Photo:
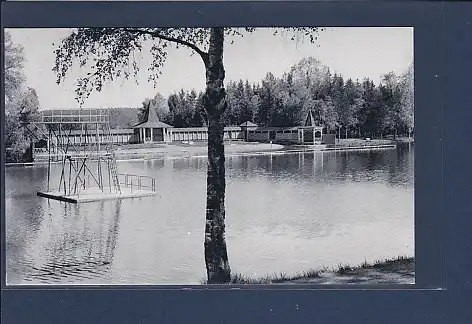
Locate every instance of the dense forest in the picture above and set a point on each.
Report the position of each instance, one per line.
(346, 107)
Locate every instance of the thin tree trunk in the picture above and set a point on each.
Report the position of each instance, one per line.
(346, 132)
(216, 256)
(31, 153)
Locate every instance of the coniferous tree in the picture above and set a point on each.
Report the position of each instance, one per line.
(267, 100)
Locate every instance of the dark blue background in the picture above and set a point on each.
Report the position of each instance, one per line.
(443, 177)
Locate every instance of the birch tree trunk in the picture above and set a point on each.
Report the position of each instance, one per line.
(216, 256)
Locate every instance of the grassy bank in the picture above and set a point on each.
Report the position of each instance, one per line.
(399, 270)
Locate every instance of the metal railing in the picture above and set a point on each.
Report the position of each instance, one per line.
(137, 182)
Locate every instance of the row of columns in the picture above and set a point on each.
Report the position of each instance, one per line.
(166, 133)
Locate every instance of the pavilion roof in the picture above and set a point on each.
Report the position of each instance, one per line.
(248, 124)
(152, 121)
(309, 121)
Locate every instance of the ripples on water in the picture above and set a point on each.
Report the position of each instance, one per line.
(285, 213)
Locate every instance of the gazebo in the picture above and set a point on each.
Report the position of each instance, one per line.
(310, 132)
(152, 130)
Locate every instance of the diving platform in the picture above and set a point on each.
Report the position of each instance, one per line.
(89, 171)
(130, 186)
(96, 194)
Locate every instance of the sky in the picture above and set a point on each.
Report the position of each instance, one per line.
(352, 52)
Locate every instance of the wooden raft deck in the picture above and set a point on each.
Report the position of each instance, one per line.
(96, 194)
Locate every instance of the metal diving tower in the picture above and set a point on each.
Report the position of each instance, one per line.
(88, 168)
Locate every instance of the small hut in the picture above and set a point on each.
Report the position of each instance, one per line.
(245, 127)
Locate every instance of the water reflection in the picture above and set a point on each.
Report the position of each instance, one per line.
(72, 244)
(292, 211)
(372, 166)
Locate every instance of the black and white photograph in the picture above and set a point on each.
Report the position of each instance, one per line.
(198, 156)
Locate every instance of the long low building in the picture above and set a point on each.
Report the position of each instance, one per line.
(201, 134)
(154, 131)
(78, 137)
(235, 133)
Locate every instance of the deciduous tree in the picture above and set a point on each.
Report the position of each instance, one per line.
(408, 99)
(106, 53)
(21, 105)
(14, 73)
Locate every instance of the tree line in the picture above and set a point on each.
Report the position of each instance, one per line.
(346, 107)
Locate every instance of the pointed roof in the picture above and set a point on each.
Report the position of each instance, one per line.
(309, 120)
(248, 124)
(152, 120)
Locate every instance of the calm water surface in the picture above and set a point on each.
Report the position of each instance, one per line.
(285, 213)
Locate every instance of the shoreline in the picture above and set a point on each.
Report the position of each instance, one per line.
(400, 270)
(199, 149)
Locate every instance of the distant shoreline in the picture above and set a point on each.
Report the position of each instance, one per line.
(199, 149)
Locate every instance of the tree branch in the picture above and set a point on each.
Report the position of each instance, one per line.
(194, 47)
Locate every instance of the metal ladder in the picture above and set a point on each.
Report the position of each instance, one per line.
(112, 165)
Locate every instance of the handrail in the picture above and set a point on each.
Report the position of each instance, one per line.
(134, 179)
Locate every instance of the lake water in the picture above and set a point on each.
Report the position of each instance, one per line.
(285, 213)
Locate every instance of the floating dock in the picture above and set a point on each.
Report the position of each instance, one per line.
(96, 194)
